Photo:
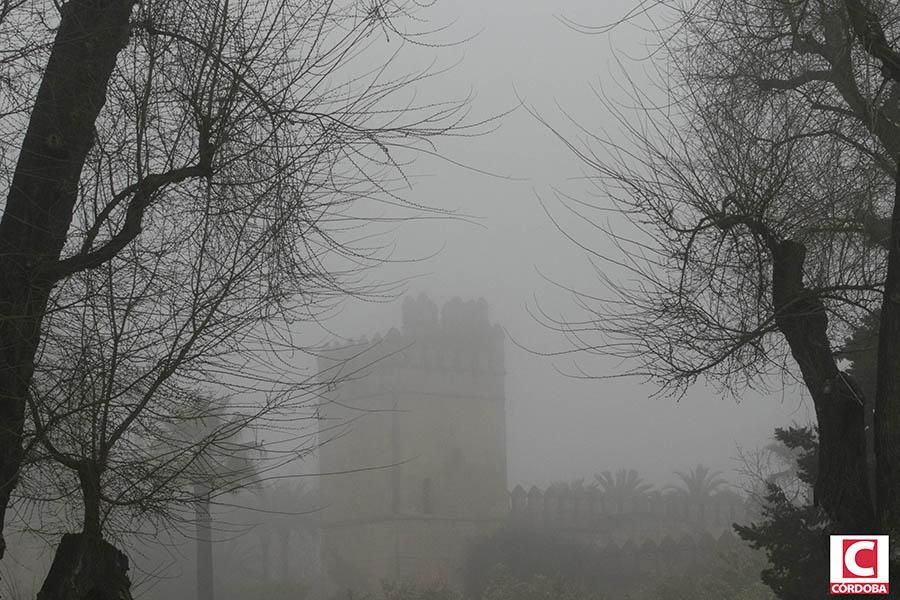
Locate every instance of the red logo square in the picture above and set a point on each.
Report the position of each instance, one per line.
(860, 558)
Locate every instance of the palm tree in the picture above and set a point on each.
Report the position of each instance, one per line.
(625, 486)
(699, 484)
(220, 461)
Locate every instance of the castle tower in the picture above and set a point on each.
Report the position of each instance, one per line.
(413, 446)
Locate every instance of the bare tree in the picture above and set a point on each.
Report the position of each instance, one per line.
(131, 118)
(115, 419)
(761, 189)
(122, 415)
(183, 195)
(775, 464)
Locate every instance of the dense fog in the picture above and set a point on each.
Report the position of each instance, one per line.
(499, 300)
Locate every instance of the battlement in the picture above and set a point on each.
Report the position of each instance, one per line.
(650, 535)
(458, 338)
(586, 511)
(458, 318)
(426, 400)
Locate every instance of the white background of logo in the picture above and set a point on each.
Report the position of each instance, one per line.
(837, 559)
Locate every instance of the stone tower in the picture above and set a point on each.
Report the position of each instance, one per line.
(413, 446)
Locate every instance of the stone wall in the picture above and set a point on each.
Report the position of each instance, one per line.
(413, 445)
(585, 514)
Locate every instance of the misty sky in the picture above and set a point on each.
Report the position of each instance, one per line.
(559, 428)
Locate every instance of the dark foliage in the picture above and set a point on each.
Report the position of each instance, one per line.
(794, 537)
(526, 553)
(518, 564)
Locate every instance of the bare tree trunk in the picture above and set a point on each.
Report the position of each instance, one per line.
(89, 478)
(42, 196)
(86, 568)
(867, 25)
(205, 581)
(887, 395)
(842, 486)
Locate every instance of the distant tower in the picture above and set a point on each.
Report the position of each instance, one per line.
(423, 412)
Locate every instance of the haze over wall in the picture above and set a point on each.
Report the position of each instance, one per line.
(558, 427)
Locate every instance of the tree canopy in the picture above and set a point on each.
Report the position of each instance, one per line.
(184, 182)
(761, 191)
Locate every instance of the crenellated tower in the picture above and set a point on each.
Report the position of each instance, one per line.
(413, 445)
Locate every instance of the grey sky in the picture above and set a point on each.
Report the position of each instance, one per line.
(558, 428)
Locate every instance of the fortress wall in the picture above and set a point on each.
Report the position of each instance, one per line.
(424, 409)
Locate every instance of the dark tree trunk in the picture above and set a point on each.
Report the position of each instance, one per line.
(42, 196)
(887, 395)
(842, 487)
(89, 478)
(867, 26)
(86, 568)
(205, 581)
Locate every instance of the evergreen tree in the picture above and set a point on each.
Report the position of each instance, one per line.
(794, 535)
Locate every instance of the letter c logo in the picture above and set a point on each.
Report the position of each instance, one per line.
(850, 558)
